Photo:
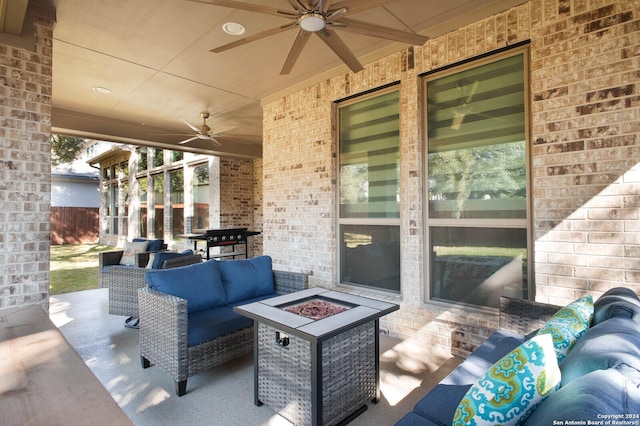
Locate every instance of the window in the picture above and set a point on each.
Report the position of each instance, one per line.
(142, 159)
(158, 205)
(201, 197)
(477, 215)
(176, 195)
(158, 157)
(369, 182)
(143, 183)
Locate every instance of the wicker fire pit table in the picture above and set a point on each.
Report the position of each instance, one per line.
(316, 354)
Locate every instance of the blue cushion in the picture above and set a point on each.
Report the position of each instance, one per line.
(618, 301)
(592, 396)
(495, 347)
(415, 419)
(160, 257)
(211, 323)
(605, 345)
(439, 405)
(247, 278)
(153, 245)
(199, 284)
(253, 299)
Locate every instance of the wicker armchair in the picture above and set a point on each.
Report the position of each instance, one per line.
(112, 258)
(163, 333)
(124, 281)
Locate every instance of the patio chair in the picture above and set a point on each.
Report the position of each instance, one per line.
(124, 281)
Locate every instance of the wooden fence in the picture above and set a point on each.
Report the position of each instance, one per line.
(75, 225)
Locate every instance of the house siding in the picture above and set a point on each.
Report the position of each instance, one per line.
(584, 152)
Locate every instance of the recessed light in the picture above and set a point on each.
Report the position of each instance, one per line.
(102, 90)
(233, 28)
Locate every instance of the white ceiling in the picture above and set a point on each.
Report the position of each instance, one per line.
(154, 57)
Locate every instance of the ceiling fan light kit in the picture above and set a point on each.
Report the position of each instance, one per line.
(312, 22)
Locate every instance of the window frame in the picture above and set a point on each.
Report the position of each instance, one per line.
(504, 223)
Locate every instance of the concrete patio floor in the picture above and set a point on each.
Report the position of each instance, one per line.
(222, 395)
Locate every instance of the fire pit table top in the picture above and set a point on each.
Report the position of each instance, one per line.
(316, 313)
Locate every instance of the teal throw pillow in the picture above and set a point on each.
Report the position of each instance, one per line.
(513, 387)
(245, 279)
(199, 284)
(569, 324)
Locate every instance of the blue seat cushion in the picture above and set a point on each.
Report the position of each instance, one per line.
(414, 419)
(160, 257)
(199, 284)
(253, 299)
(211, 323)
(245, 279)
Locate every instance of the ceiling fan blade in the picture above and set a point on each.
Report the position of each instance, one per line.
(299, 5)
(336, 44)
(355, 6)
(188, 140)
(194, 128)
(294, 53)
(215, 141)
(380, 31)
(254, 37)
(248, 7)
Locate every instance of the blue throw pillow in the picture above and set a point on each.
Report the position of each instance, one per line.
(600, 396)
(617, 302)
(152, 245)
(247, 278)
(199, 284)
(615, 341)
(160, 257)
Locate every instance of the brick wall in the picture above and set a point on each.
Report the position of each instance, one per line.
(585, 149)
(25, 170)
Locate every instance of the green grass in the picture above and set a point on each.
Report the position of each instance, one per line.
(74, 267)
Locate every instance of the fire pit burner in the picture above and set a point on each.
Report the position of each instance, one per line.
(316, 309)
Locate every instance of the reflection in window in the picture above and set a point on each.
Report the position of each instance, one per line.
(176, 191)
(369, 182)
(201, 197)
(144, 191)
(370, 256)
(158, 206)
(478, 265)
(477, 182)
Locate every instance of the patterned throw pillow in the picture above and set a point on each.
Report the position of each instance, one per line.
(512, 388)
(569, 324)
(129, 254)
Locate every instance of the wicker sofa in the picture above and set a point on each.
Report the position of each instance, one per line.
(187, 323)
(599, 375)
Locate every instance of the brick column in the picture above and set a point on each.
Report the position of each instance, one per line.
(25, 170)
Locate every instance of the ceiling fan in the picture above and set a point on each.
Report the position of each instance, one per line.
(320, 17)
(203, 132)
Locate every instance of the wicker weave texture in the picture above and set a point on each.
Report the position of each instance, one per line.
(348, 374)
(164, 332)
(524, 316)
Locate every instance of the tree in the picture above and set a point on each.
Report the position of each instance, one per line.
(65, 149)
